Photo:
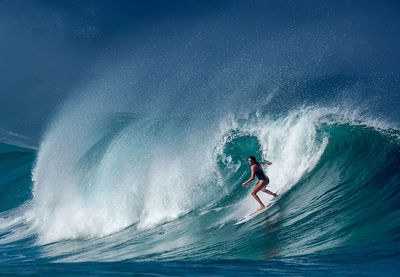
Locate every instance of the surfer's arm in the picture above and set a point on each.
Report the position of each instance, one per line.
(267, 163)
(251, 178)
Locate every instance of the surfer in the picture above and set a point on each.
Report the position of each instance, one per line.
(263, 180)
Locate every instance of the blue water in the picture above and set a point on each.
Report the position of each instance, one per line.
(139, 169)
(339, 209)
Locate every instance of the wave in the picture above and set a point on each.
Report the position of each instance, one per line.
(150, 171)
(129, 186)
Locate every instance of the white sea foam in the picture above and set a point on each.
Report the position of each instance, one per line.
(156, 169)
(291, 143)
(146, 174)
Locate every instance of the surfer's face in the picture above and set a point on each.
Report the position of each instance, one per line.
(250, 162)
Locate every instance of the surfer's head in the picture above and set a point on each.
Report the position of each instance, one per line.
(252, 160)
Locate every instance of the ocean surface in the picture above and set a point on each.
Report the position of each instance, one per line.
(123, 205)
(138, 170)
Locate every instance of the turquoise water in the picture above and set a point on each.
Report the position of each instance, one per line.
(68, 208)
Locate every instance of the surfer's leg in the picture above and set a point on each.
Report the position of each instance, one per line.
(264, 189)
(256, 189)
(269, 192)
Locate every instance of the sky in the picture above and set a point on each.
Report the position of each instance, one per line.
(49, 48)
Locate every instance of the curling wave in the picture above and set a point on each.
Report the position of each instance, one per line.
(134, 187)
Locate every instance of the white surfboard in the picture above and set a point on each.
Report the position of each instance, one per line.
(255, 213)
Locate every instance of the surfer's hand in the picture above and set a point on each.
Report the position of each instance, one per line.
(269, 163)
(243, 184)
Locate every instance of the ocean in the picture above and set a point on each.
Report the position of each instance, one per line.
(139, 169)
(170, 209)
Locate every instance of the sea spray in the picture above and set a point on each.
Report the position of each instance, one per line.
(150, 170)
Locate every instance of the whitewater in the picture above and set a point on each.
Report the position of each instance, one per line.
(146, 189)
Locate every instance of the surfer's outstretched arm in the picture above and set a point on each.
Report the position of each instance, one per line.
(251, 178)
(267, 163)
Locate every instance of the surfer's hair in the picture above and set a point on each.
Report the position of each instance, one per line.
(254, 160)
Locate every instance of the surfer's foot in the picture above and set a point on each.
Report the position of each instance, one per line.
(260, 208)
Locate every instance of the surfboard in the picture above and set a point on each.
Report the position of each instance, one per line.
(256, 213)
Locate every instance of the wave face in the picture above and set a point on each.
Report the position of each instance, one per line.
(146, 172)
(159, 188)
